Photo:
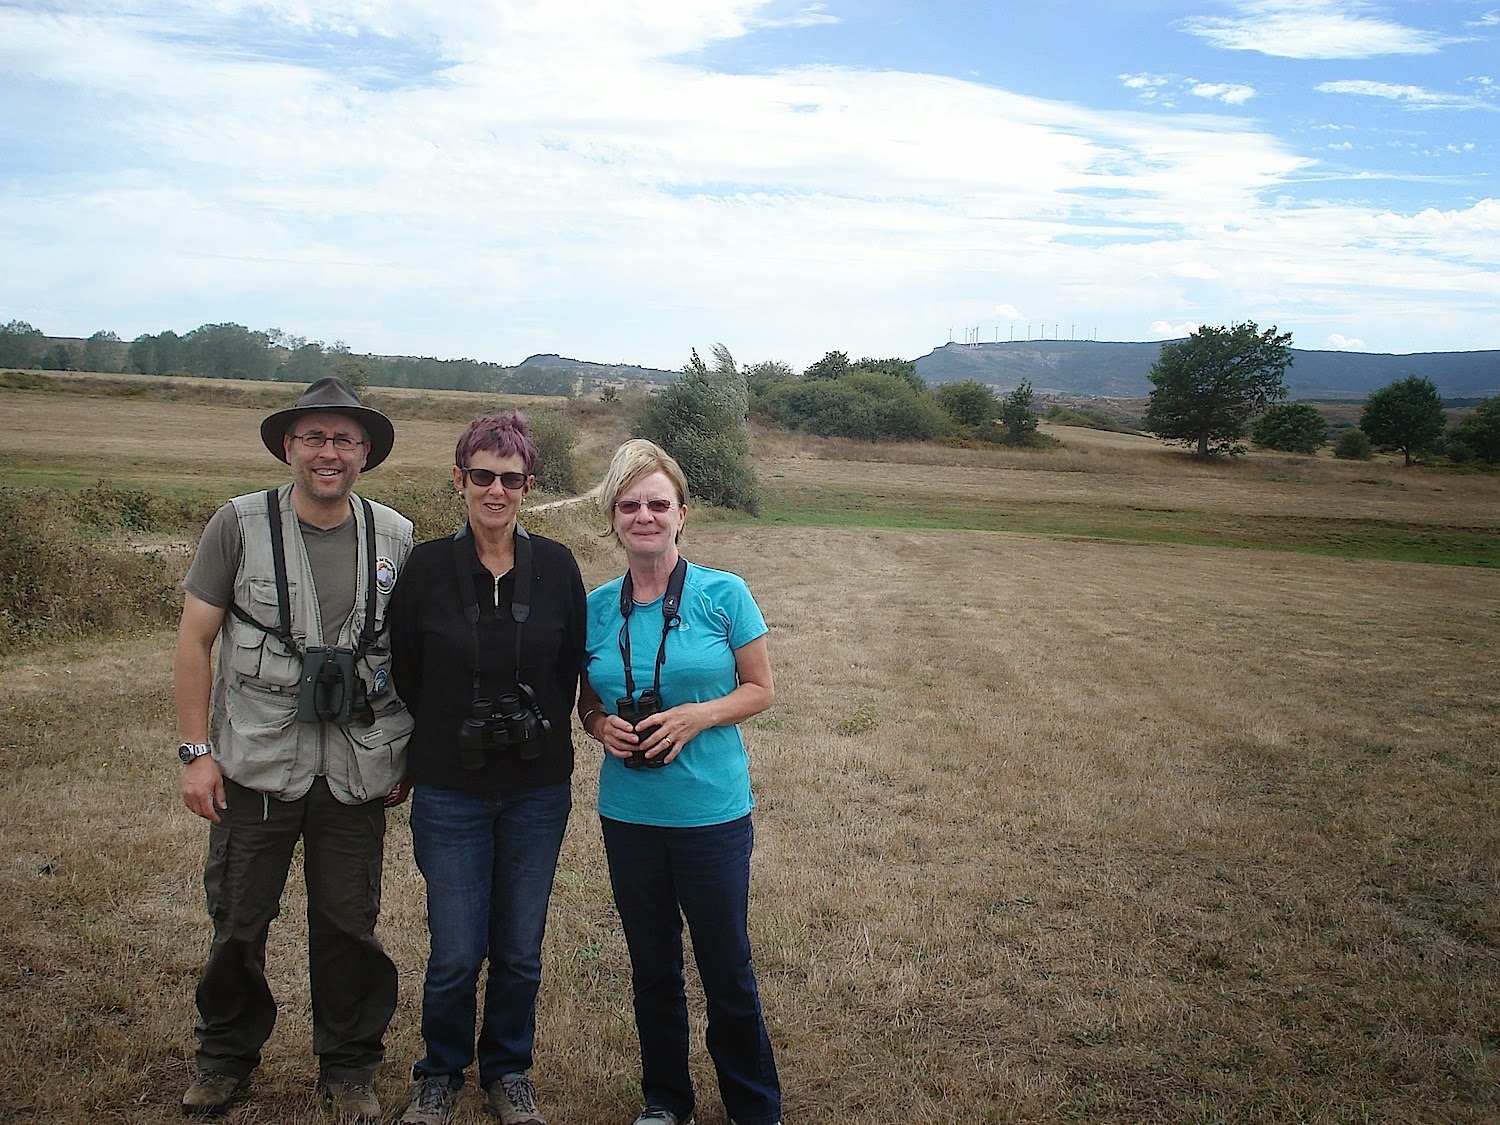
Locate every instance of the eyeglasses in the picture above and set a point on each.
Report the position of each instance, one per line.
(631, 507)
(484, 478)
(316, 439)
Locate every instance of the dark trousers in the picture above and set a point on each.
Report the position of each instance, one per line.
(660, 876)
(353, 980)
(489, 863)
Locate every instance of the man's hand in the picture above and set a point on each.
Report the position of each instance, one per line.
(398, 795)
(202, 788)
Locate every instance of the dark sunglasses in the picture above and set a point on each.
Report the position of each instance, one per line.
(484, 478)
(631, 507)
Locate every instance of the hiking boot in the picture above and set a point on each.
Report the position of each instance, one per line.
(513, 1100)
(655, 1115)
(431, 1102)
(211, 1094)
(351, 1101)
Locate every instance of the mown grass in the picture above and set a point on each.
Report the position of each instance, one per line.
(1057, 822)
(1348, 538)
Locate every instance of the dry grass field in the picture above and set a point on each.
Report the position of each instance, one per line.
(1054, 825)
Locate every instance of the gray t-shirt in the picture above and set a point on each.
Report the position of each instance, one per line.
(333, 555)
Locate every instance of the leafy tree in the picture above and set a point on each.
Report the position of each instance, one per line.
(102, 352)
(1353, 445)
(834, 365)
(227, 351)
(702, 421)
(1294, 427)
(1477, 437)
(1405, 415)
(21, 345)
(1018, 414)
(1205, 389)
(969, 404)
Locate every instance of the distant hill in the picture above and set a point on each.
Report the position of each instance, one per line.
(600, 372)
(1118, 370)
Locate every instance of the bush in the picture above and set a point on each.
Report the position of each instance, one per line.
(1292, 427)
(701, 420)
(1353, 445)
(55, 582)
(554, 436)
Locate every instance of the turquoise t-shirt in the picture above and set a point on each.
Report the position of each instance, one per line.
(709, 780)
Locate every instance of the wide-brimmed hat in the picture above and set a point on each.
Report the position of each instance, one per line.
(331, 394)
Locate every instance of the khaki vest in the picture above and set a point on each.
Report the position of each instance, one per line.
(258, 741)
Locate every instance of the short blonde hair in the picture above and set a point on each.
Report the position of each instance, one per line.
(636, 459)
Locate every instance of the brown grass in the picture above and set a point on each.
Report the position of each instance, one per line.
(1048, 830)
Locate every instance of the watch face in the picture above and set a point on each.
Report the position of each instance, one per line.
(190, 753)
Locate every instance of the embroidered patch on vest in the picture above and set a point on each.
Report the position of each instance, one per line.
(379, 682)
(385, 575)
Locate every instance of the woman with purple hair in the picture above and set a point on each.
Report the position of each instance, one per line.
(487, 638)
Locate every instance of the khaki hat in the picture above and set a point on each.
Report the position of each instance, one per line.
(331, 394)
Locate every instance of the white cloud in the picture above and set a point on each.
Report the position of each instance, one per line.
(1345, 343)
(1417, 97)
(1230, 93)
(1314, 29)
(1165, 330)
(483, 192)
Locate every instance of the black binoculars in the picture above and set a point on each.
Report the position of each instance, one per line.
(330, 690)
(513, 720)
(633, 712)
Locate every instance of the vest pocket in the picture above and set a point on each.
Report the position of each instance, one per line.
(376, 760)
(258, 655)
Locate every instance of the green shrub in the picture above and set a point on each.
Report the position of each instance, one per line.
(1292, 427)
(554, 435)
(58, 582)
(1353, 445)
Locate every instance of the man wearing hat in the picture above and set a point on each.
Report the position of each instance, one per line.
(295, 734)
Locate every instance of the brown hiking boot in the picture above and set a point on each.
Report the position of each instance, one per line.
(211, 1094)
(351, 1101)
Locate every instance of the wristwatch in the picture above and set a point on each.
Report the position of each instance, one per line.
(190, 752)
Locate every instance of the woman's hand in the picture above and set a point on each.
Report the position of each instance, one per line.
(663, 735)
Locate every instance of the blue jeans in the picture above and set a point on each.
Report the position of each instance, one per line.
(489, 864)
(659, 876)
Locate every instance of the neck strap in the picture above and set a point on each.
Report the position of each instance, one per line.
(520, 596)
(283, 628)
(671, 606)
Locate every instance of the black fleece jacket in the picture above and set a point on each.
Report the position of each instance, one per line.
(432, 659)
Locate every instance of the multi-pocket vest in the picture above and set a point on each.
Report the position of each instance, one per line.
(258, 739)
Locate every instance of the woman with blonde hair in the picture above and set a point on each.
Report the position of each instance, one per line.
(677, 659)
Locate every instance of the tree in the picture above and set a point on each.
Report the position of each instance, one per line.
(702, 421)
(102, 352)
(1205, 389)
(1405, 415)
(63, 357)
(833, 365)
(1477, 437)
(1293, 427)
(969, 404)
(1018, 414)
(21, 345)
(1353, 445)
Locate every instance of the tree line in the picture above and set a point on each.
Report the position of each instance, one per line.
(1223, 384)
(232, 351)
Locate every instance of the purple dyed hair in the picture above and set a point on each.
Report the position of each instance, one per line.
(500, 434)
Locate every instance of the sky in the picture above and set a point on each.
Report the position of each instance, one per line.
(625, 180)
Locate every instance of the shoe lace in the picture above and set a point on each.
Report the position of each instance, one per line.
(520, 1091)
(433, 1094)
